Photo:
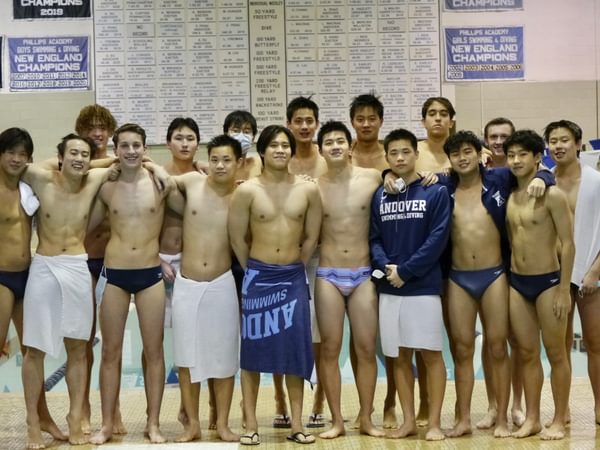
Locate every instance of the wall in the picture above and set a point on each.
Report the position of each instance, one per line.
(48, 115)
(562, 48)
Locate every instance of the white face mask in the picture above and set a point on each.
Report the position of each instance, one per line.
(244, 139)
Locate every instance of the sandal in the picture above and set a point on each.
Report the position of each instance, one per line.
(282, 421)
(250, 439)
(306, 438)
(316, 421)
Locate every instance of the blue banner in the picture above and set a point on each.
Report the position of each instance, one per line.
(482, 5)
(490, 53)
(49, 63)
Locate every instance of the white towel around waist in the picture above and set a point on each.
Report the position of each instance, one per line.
(206, 327)
(58, 302)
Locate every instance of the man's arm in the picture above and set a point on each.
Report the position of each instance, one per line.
(176, 198)
(97, 213)
(558, 206)
(379, 257)
(312, 223)
(427, 179)
(34, 174)
(238, 222)
(536, 188)
(161, 177)
(103, 163)
(432, 249)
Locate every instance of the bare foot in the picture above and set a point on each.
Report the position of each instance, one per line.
(118, 427)
(76, 434)
(406, 429)
(501, 431)
(101, 436)
(390, 421)
(422, 423)
(549, 423)
(85, 425)
(212, 419)
(556, 431)
(423, 415)
(191, 432)
(226, 435)
(51, 428)
(182, 417)
(367, 427)
(460, 429)
(518, 417)
(333, 432)
(488, 421)
(155, 435)
(86, 418)
(34, 438)
(529, 428)
(434, 434)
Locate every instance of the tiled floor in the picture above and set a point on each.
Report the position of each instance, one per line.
(582, 434)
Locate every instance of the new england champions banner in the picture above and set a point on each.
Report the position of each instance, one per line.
(51, 9)
(49, 63)
(484, 53)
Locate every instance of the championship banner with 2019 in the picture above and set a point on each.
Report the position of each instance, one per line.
(51, 9)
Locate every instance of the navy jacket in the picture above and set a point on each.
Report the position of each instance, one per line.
(410, 229)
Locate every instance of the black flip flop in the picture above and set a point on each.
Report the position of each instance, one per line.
(296, 438)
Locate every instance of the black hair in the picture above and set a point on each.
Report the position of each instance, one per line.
(400, 134)
(529, 140)
(180, 122)
(237, 119)
(62, 145)
(224, 140)
(456, 141)
(573, 128)
(331, 126)
(366, 100)
(13, 137)
(301, 103)
(268, 134)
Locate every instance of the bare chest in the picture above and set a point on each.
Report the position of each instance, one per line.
(289, 203)
(432, 162)
(524, 213)
(134, 200)
(345, 201)
(469, 210)
(10, 207)
(206, 210)
(370, 160)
